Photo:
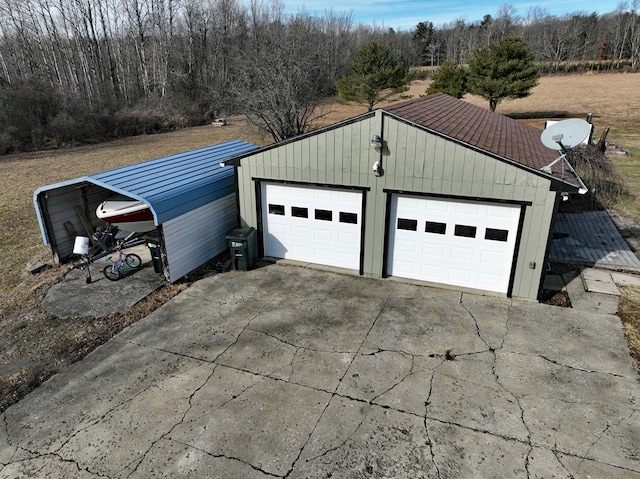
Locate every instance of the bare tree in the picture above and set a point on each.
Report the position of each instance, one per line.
(279, 80)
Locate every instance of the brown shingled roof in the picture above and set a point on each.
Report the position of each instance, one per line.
(477, 127)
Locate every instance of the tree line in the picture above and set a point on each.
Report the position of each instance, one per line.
(88, 70)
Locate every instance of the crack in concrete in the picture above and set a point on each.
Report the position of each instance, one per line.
(36, 455)
(494, 371)
(56, 452)
(5, 426)
(609, 426)
(224, 456)
(164, 435)
(341, 445)
(576, 368)
(162, 350)
(297, 346)
(583, 458)
(556, 454)
(245, 328)
(427, 403)
(334, 394)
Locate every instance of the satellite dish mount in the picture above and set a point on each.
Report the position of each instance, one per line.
(563, 136)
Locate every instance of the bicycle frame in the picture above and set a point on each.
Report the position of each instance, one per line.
(115, 270)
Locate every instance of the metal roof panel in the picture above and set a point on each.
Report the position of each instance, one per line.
(171, 183)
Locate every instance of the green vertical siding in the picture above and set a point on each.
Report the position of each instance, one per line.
(413, 161)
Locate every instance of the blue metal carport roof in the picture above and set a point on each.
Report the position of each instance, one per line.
(171, 185)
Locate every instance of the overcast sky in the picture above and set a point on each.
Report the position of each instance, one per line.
(405, 15)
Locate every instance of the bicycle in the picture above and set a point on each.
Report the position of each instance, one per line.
(115, 270)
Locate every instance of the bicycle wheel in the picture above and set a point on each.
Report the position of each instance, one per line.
(112, 273)
(133, 260)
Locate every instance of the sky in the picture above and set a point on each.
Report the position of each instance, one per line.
(405, 15)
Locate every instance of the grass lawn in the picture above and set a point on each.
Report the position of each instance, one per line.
(34, 345)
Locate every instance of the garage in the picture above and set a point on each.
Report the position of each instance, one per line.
(431, 189)
(313, 224)
(463, 243)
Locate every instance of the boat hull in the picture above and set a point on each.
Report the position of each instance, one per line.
(127, 214)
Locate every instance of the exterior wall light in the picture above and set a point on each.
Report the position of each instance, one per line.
(376, 141)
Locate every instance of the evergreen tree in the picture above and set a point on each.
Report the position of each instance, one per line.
(375, 76)
(503, 69)
(450, 78)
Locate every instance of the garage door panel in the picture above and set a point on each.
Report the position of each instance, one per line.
(457, 242)
(430, 273)
(498, 258)
(347, 238)
(466, 209)
(406, 246)
(323, 235)
(348, 258)
(490, 279)
(406, 267)
(299, 232)
(299, 250)
(276, 249)
(321, 255)
(462, 276)
(321, 225)
(462, 253)
(277, 229)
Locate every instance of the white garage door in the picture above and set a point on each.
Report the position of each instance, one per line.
(315, 225)
(461, 243)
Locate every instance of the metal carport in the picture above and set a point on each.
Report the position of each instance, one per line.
(193, 200)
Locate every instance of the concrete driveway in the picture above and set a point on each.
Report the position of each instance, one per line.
(291, 372)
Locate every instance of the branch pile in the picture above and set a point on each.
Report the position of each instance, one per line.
(598, 172)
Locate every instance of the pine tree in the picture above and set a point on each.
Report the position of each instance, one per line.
(375, 76)
(450, 78)
(503, 69)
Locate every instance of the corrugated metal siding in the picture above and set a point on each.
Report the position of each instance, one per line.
(60, 205)
(415, 161)
(195, 237)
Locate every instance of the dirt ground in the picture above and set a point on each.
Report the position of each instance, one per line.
(34, 345)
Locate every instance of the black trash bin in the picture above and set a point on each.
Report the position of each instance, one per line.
(153, 243)
(242, 248)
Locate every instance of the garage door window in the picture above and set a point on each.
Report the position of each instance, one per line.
(406, 224)
(324, 215)
(276, 210)
(494, 234)
(465, 231)
(350, 218)
(435, 228)
(298, 212)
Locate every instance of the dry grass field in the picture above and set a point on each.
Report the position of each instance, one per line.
(33, 345)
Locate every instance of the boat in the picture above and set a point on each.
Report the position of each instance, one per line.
(126, 213)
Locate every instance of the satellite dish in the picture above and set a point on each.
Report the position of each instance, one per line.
(566, 134)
